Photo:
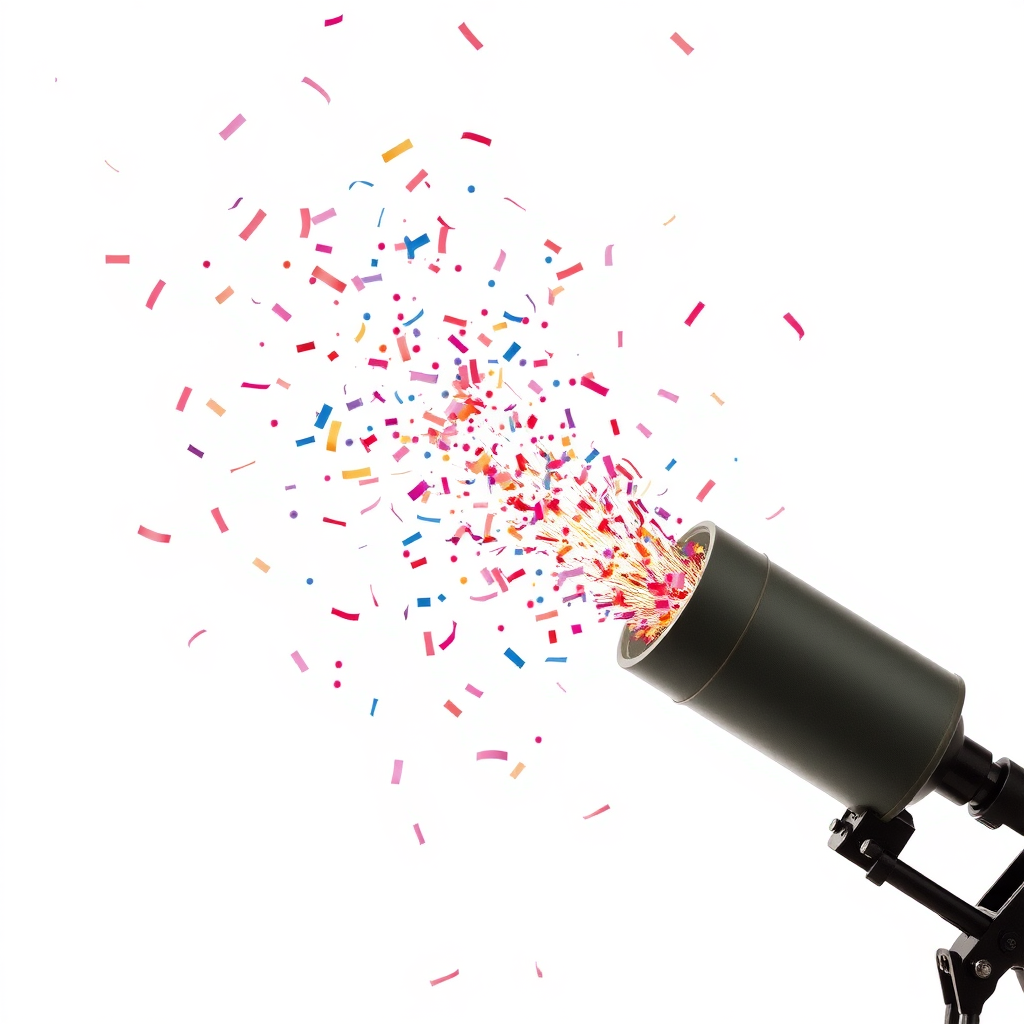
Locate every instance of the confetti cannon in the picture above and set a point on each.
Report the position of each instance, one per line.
(857, 714)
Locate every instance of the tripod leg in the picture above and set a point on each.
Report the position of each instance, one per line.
(948, 993)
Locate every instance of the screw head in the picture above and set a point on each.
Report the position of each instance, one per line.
(983, 969)
(870, 849)
(1008, 942)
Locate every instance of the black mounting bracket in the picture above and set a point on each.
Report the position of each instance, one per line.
(991, 940)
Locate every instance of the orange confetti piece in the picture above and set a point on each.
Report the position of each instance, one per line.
(398, 150)
(261, 565)
(515, 771)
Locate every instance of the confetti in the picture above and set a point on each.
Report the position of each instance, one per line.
(117, 259)
(194, 635)
(304, 227)
(155, 294)
(297, 658)
(447, 977)
(514, 658)
(219, 520)
(452, 708)
(412, 184)
(319, 89)
(218, 409)
(704, 490)
(473, 690)
(396, 773)
(237, 468)
(152, 536)
(589, 382)
(225, 295)
(328, 279)
(774, 514)
(515, 771)
(195, 451)
(717, 399)
(669, 221)
(252, 226)
(232, 127)
(370, 183)
(282, 312)
(184, 398)
(334, 21)
(792, 323)
(236, 202)
(470, 37)
(681, 43)
(351, 616)
(598, 811)
(574, 269)
(445, 644)
(514, 203)
(608, 255)
(261, 565)
(336, 522)
(492, 755)
(419, 834)
(473, 137)
(693, 315)
(662, 393)
(326, 215)
(111, 166)
(539, 973)
(398, 150)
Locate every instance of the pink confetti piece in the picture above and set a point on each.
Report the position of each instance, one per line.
(452, 708)
(184, 398)
(161, 538)
(283, 383)
(514, 203)
(358, 282)
(418, 489)
(419, 834)
(321, 217)
(324, 248)
(492, 755)
(310, 82)
(704, 490)
(281, 312)
(117, 259)
(110, 165)
(608, 255)
(428, 643)
(600, 810)
(445, 644)
(486, 597)
(416, 180)
(251, 226)
(473, 137)
(473, 690)
(561, 687)
(232, 127)
(396, 773)
(569, 271)
(643, 430)
(774, 514)
(442, 236)
(370, 508)
(219, 520)
(447, 977)
(693, 315)
(792, 323)
(470, 37)
(662, 393)
(194, 635)
(589, 382)
(297, 658)
(501, 260)
(334, 21)
(260, 387)
(681, 43)
(538, 970)
(155, 294)
(304, 230)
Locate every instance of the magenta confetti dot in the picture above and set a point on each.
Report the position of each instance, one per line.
(261, 344)
(536, 739)
(337, 683)
(273, 423)
(206, 263)
(458, 267)
(337, 664)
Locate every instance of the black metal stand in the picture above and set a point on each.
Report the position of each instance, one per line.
(991, 940)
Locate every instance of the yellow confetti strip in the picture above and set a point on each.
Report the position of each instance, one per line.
(354, 474)
(398, 150)
(261, 565)
(218, 409)
(499, 327)
(362, 331)
(515, 771)
(332, 435)
(717, 399)
(226, 294)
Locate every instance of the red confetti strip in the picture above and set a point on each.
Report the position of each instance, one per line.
(219, 519)
(447, 977)
(415, 181)
(194, 635)
(304, 213)
(473, 137)
(161, 538)
(693, 316)
(329, 279)
(704, 490)
(442, 236)
(600, 810)
(792, 323)
(306, 346)
(155, 294)
(556, 249)
(469, 36)
(184, 398)
(333, 21)
(681, 43)
(261, 387)
(774, 514)
(117, 259)
(251, 226)
(428, 643)
(575, 269)
(351, 616)
(589, 382)
(310, 82)
(336, 522)
(452, 708)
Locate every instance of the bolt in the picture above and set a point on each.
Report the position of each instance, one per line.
(835, 825)
(869, 848)
(1007, 942)
(982, 968)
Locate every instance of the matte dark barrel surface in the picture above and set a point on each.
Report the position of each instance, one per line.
(796, 675)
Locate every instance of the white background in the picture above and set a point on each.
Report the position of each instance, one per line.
(206, 834)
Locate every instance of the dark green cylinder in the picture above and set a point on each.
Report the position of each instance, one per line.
(796, 675)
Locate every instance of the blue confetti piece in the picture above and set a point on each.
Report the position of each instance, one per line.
(441, 597)
(514, 658)
(399, 397)
(593, 455)
(512, 350)
(414, 319)
(518, 551)
(427, 519)
(422, 602)
(412, 244)
(322, 416)
(671, 464)
(509, 316)
(373, 707)
(409, 540)
(381, 217)
(556, 659)
(495, 361)
(370, 183)
(304, 440)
